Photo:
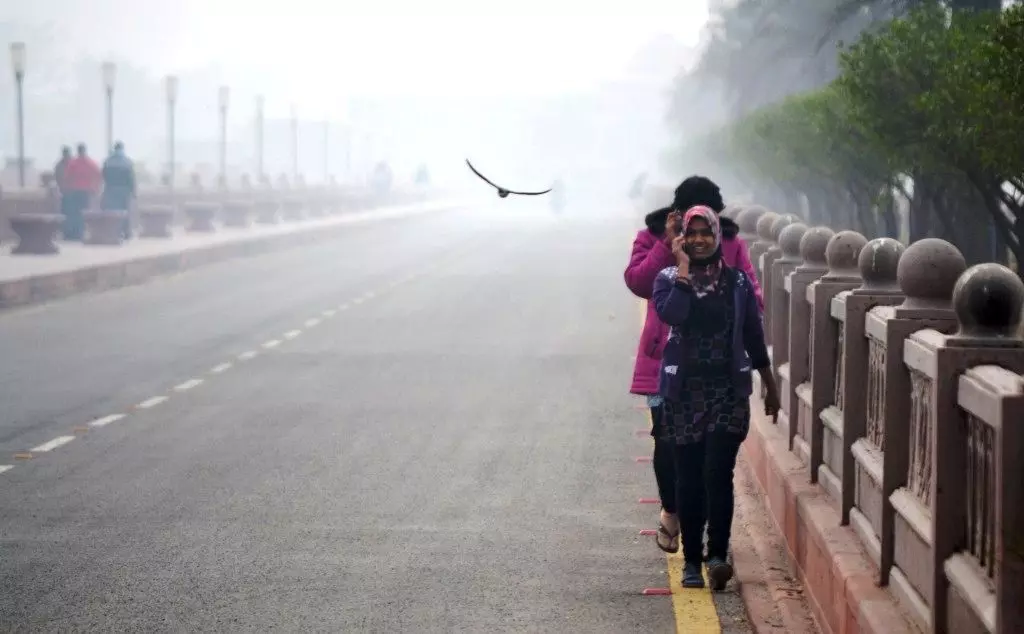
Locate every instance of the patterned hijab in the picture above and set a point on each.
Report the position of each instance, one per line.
(705, 272)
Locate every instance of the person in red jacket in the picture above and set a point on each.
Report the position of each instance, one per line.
(652, 253)
(82, 181)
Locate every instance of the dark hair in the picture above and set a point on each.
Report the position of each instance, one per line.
(698, 190)
(655, 220)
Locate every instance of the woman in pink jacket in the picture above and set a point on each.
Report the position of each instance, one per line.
(652, 253)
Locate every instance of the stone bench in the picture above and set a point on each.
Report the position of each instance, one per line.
(155, 221)
(237, 213)
(293, 208)
(104, 227)
(199, 217)
(315, 207)
(267, 212)
(36, 233)
(329, 203)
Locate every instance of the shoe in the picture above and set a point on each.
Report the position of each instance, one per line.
(719, 572)
(692, 576)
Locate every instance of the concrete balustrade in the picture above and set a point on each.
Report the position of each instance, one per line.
(895, 468)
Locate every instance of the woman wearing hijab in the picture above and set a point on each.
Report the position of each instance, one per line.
(715, 339)
(652, 252)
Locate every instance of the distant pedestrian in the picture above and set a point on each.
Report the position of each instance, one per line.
(61, 166)
(82, 182)
(119, 186)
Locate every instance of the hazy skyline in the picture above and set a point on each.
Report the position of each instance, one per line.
(318, 53)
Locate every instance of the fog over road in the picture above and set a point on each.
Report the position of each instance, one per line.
(433, 435)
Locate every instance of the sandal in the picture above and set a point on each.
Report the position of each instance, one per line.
(667, 541)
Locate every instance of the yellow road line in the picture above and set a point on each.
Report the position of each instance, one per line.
(694, 610)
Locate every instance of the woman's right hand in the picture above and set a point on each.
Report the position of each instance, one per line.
(671, 224)
(682, 260)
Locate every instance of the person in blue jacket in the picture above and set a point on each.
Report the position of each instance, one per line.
(119, 186)
(715, 339)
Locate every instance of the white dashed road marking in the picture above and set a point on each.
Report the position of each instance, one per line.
(188, 385)
(217, 369)
(53, 444)
(151, 402)
(106, 420)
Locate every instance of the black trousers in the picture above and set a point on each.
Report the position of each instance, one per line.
(664, 462)
(705, 495)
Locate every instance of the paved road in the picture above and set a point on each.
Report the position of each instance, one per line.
(439, 441)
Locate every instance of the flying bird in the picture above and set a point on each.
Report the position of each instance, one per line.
(502, 192)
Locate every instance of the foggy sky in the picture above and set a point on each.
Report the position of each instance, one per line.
(495, 79)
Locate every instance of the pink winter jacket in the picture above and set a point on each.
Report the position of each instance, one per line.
(650, 255)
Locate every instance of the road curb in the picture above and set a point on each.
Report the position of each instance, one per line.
(835, 572)
(772, 597)
(43, 288)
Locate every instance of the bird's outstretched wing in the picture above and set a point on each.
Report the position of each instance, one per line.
(530, 193)
(502, 189)
(482, 177)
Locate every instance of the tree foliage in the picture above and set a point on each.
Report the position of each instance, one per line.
(930, 105)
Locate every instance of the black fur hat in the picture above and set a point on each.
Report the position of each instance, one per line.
(698, 190)
(695, 190)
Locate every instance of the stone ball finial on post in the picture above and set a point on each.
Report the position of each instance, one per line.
(764, 226)
(747, 220)
(789, 241)
(732, 211)
(781, 222)
(989, 300)
(841, 255)
(878, 262)
(813, 246)
(927, 273)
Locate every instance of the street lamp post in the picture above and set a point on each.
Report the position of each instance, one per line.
(327, 150)
(348, 152)
(295, 145)
(18, 64)
(172, 98)
(224, 95)
(109, 77)
(259, 138)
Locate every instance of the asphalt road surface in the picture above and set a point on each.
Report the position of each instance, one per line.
(421, 426)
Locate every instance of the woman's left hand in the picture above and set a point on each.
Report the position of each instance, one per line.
(772, 404)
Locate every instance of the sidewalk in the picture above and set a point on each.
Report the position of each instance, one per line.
(30, 279)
